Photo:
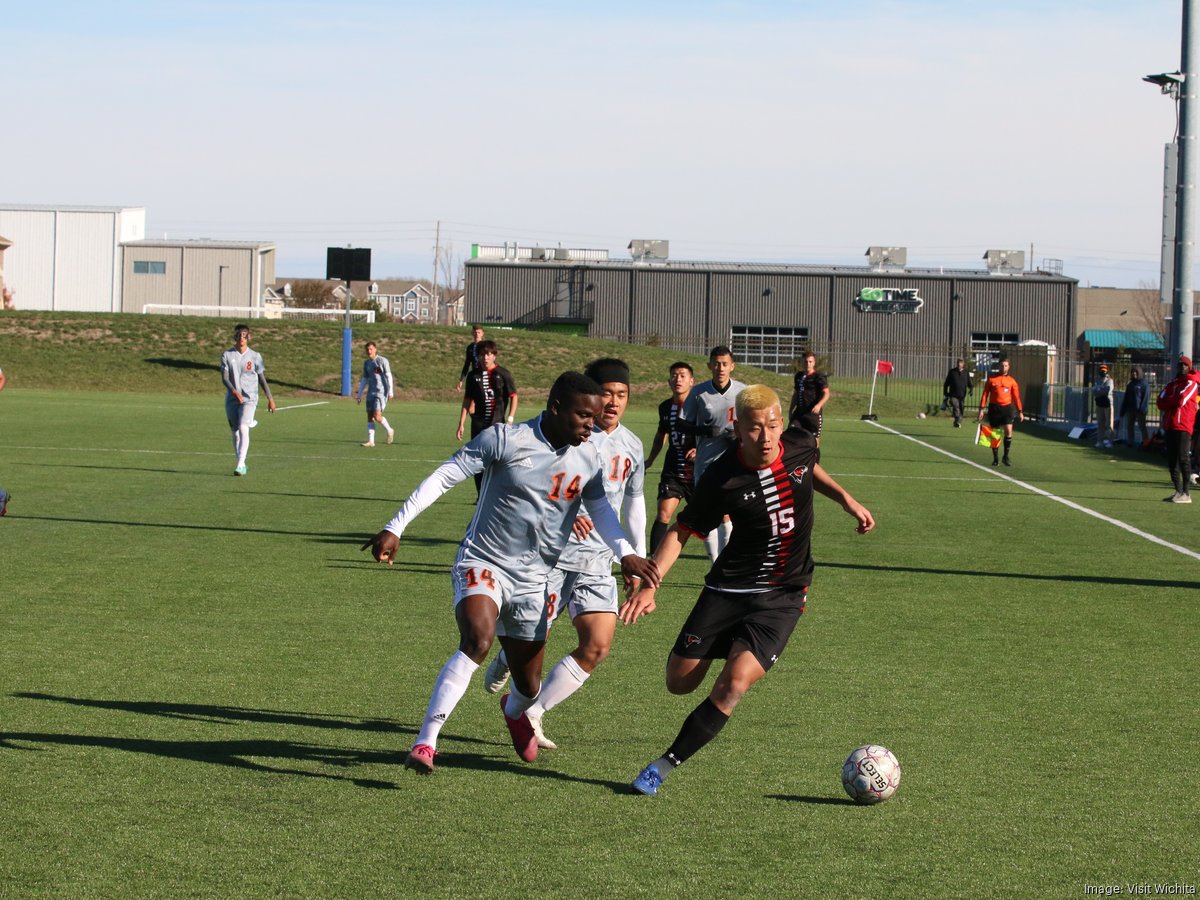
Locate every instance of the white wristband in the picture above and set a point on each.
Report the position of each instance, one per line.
(509, 420)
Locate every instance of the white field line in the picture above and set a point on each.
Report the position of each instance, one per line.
(300, 405)
(374, 457)
(1154, 539)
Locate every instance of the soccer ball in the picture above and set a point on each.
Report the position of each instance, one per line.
(871, 774)
(920, 415)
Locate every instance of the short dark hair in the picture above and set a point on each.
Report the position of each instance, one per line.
(369, 344)
(720, 350)
(608, 369)
(682, 365)
(241, 327)
(487, 347)
(571, 384)
(477, 328)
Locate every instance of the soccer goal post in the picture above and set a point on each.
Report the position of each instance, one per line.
(256, 312)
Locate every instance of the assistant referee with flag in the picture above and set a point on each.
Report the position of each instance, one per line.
(1002, 401)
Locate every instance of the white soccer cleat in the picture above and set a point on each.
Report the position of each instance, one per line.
(543, 742)
(391, 435)
(496, 675)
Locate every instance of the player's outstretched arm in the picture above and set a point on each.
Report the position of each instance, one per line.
(641, 603)
(642, 600)
(825, 484)
(383, 547)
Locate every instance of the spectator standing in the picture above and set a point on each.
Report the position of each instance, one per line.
(1177, 402)
(1102, 397)
(1134, 405)
(957, 386)
(810, 393)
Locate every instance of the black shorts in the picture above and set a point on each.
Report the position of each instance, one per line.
(763, 622)
(674, 486)
(809, 421)
(1001, 415)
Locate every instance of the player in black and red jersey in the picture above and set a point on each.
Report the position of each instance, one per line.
(754, 594)
(490, 391)
(675, 482)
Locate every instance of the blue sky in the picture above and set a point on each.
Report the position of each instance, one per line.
(800, 131)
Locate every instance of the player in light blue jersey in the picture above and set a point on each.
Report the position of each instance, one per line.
(379, 387)
(536, 475)
(242, 375)
(710, 411)
(582, 583)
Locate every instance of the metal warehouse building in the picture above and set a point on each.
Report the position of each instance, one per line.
(770, 313)
(68, 257)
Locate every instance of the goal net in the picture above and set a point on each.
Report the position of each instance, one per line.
(253, 312)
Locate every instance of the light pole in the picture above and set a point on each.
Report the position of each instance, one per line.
(1182, 87)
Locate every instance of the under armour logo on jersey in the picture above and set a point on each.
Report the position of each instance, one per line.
(798, 473)
(692, 640)
(749, 495)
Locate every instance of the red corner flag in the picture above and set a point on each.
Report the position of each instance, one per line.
(883, 367)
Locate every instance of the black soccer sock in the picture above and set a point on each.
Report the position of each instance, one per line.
(1007, 445)
(995, 454)
(704, 724)
(658, 531)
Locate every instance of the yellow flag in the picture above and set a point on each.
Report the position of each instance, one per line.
(989, 436)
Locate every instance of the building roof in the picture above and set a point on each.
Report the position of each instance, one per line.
(67, 207)
(204, 244)
(1111, 338)
(772, 268)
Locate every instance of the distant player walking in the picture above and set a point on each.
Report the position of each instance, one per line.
(755, 594)
(536, 475)
(379, 387)
(474, 355)
(677, 478)
(710, 412)
(489, 396)
(1001, 401)
(810, 393)
(242, 374)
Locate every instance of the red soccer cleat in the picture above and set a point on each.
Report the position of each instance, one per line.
(523, 738)
(420, 760)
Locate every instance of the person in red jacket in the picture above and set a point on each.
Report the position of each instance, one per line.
(1177, 401)
(1001, 401)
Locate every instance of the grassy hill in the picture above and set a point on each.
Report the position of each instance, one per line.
(180, 355)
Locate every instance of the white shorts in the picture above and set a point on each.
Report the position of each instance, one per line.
(521, 611)
(581, 592)
(239, 414)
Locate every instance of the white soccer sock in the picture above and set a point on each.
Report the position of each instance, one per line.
(564, 679)
(370, 432)
(517, 703)
(384, 422)
(712, 543)
(242, 444)
(449, 688)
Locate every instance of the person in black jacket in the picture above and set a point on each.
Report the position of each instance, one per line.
(1134, 405)
(955, 389)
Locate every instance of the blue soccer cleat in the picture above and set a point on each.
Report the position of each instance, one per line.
(648, 781)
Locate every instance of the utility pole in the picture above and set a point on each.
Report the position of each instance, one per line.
(1182, 326)
(437, 250)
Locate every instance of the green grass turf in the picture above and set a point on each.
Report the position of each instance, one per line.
(207, 689)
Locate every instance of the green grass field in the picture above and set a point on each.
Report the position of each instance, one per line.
(208, 690)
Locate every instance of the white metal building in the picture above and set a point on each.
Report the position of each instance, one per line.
(68, 257)
(209, 275)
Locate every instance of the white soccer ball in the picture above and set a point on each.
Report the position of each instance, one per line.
(920, 415)
(871, 774)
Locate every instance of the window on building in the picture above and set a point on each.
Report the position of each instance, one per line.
(988, 346)
(149, 267)
(410, 305)
(768, 347)
(424, 312)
